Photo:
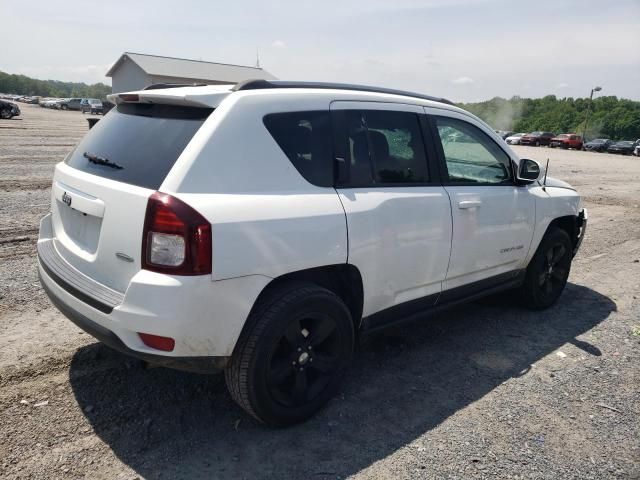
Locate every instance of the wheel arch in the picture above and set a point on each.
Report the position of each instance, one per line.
(344, 280)
(568, 223)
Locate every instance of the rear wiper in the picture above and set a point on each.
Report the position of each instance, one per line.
(101, 160)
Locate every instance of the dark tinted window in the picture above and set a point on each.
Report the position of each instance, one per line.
(305, 138)
(471, 156)
(384, 147)
(144, 139)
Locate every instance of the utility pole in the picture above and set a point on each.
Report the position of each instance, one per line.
(586, 117)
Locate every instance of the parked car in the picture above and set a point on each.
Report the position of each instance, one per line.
(597, 145)
(8, 110)
(91, 105)
(567, 140)
(624, 147)
(106, 106)
(514, 139)
(31, 100)
(504, 133)
(50, 102)
(537, 138)
(61, 101)
(72, 104)
(270, 276)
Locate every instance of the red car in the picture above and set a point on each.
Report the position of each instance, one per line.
(567, 140)
(537, 138)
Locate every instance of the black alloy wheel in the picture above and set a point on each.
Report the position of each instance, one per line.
(548, 270)
(555, 272)
(304, 360)
(292, 355)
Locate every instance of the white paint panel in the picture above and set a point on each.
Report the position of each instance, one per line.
(399, 238)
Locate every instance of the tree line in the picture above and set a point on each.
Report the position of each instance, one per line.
(609, 116)
(23, 85)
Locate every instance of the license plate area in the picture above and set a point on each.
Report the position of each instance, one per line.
(81, 228)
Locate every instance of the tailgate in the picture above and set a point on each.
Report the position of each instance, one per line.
(97, 225)
(100, 192)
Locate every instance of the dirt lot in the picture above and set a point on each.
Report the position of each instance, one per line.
(485, 391)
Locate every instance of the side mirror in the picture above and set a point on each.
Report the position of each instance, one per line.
(528, 170)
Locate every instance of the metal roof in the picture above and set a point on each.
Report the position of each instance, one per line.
(196, 69)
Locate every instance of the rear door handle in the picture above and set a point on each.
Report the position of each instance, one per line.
(469, 203)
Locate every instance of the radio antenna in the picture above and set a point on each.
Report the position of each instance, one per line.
(546, 169)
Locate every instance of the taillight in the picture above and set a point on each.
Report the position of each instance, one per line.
(176, 239)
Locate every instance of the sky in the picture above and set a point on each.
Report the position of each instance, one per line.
(464, 50)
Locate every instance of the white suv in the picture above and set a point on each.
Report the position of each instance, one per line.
(260, 228)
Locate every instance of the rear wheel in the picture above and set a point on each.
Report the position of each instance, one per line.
(5, 114)
(292, 357)
(548, 270)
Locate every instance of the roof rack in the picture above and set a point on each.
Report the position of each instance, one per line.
(158, 86)
(264, 84)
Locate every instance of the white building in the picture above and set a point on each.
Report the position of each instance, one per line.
(134, 71)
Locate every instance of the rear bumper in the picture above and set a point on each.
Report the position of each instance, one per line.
(204, 317)
(106, 336)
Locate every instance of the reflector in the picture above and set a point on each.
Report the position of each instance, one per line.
(166, 344)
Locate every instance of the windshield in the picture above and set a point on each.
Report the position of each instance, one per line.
(535, 134)
(563, 136)
(138, 143)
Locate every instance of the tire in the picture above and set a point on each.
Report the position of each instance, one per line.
(272, 374)
(548, 271)
(537, 144)
(64, 107)
(5, 114)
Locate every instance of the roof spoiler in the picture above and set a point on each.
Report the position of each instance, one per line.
(264, 84)
(158, 86)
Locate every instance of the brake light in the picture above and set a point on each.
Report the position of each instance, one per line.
(176, 239)
(166, 344)
(129, 97)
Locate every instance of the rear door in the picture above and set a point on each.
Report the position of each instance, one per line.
(398, 215)
(493, 218)
(100, 191)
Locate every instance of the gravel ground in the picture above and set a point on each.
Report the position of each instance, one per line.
(487, 390)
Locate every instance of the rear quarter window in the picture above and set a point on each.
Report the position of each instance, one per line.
(141, 142)
(305, 138)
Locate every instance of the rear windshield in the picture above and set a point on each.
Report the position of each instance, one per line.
(138, 143)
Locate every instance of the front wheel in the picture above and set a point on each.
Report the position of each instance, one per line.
(292, 356)
(548, 270)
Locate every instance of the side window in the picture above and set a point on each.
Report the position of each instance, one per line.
(305, 138)
(471, 155)
(385, 147)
